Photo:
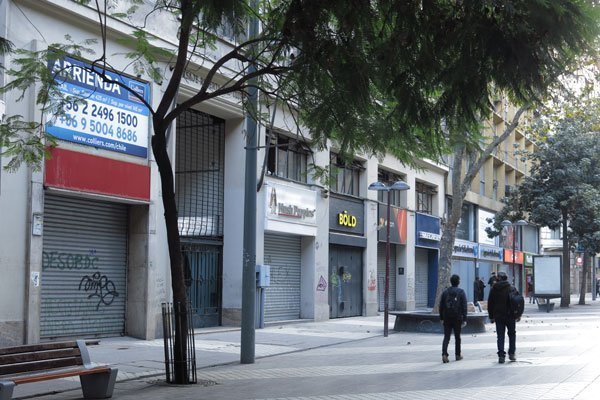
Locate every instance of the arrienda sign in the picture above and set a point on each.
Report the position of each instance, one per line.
(107, 114)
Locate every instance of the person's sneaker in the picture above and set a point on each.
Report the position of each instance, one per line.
(445, 359)
(458, 358)
(512, 357)
(501, 359)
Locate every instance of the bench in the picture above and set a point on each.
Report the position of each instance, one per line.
(45, 361)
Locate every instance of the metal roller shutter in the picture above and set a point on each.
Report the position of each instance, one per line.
(381, 276)
(283, 254)
(84, 267)
(421, 275)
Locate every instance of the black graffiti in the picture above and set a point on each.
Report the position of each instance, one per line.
(104, 289)
(70, 261)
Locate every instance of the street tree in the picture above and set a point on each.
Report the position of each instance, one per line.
(411, 78)
(561, 191)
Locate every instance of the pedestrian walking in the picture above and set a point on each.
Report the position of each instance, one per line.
(530, 291)
(481, 289)
(453, 315)
(493, 279)
(598, 287)
(476, 290)
(502, 313)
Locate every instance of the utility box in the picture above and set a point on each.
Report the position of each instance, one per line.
(263, 276)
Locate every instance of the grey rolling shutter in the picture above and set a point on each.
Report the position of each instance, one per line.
(381, 276)
(283, 254)
(83, 280)
(421, 271)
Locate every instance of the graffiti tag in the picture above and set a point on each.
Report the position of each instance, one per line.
(57, 260)
(103, 288)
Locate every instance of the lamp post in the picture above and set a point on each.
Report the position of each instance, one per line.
(382, 187)
(506, 224)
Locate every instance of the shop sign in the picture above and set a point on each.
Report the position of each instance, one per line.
(398, 230)
(346, 215)
(291, 204)
(529, 259)
(463, 248)
(508, 256)
(107, 115)
(491, 253)
(427, 231)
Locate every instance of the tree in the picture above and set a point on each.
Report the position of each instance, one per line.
(561, 190)
(377, 76)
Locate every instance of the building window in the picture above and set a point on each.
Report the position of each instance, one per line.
(288, 158)
(345, 176)
(425, 194)
(389, 178)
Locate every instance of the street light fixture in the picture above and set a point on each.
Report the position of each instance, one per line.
(506, 223)
(382, 187)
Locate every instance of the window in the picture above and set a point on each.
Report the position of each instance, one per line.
(288, 158)
(389, 178)
(425, 195)
(345, 176)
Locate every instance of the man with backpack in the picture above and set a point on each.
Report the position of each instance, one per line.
(453, 314)
(505, 307)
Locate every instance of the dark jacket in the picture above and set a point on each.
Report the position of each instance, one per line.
(462, 301)
(498, 300)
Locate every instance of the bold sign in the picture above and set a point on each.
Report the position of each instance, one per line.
(107, 115)
(346, 215)
(398, 230)
(346, 219)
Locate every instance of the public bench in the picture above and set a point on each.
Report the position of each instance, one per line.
(46, 361)
(425, 321)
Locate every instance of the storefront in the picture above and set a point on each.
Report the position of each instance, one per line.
(464, 254)
(513, 266)
(290, 218)
(398, 231)
(346, 248)
(490, 258)
(427, 241)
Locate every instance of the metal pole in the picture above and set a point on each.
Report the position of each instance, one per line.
(386, 290)
(247, 342)
(513, 253)
(593, 277)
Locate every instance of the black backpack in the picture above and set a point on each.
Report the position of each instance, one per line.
(452, 306)
(516, 303)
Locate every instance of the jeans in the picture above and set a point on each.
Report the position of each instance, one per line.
(449, 326)
(509, 325)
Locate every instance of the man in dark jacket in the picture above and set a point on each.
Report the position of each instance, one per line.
(498, 311)
(453, 314)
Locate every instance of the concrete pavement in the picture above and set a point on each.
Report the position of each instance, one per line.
(558, 358)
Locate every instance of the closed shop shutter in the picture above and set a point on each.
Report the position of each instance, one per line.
(421, 275)
(283, 254)
(84, 267)
(381, 276)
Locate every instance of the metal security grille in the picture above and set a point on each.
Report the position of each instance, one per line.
(199, 174)
(283, 254)
(421, 274)
(205, 276)
(381, 276)
(84, 268)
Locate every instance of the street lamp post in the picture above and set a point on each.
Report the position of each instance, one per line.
(506, 224)
(382, 187)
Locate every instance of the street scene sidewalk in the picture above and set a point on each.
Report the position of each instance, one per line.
(558, 354)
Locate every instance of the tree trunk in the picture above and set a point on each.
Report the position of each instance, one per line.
(565, 298)
(583, 285)
(165, 169)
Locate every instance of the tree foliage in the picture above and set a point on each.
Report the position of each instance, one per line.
(411, 78)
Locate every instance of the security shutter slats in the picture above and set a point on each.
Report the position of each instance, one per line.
(84, 268)
(421, 274)
(283, 254)
(381, 276)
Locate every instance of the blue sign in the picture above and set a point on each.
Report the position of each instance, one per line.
(110, 116)
(427, 231)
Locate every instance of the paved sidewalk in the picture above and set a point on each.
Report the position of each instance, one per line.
(141, 363)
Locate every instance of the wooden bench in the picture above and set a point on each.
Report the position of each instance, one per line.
(45, 361)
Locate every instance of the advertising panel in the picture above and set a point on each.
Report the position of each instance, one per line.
(107, 115)
(397, 224)
(547, 276)
(427, 231)
(482, 217)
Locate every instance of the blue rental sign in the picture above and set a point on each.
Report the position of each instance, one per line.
(110, 116)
